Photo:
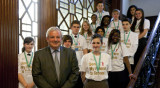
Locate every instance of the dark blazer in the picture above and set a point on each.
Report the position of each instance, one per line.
(44, 72)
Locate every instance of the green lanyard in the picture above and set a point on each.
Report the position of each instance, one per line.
(106, 32)
(125, 41)
(94, 27)
(100, 16)
(137, 26)
(85, 36)
(115, 25)
(97, 64)
(28, 64)
(113, 50)
(74, 39)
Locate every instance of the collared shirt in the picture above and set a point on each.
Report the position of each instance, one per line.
(53, 54)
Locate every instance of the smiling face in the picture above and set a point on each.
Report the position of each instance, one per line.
(126, 26)
(96, 44)
(94, 18)
(132, 11)
(138, 15)
(100, 7)
(29, 46)
(85, 26)
(106, 21)
(67, 44)
(75, 29)
(54, 39)
(100, 32)
(115, 38)
(115, 15)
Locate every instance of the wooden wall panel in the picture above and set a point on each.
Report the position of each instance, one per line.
(8, 43)
(47, 18)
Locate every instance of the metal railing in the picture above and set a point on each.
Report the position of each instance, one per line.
(146, 61)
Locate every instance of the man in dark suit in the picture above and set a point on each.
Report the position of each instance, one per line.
(55, 66)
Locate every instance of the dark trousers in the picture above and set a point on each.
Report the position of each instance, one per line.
(141, 46)
(96, 84)
(117, 79)
(79, 83)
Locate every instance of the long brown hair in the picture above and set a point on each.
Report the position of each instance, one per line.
(141, 26)
(89, 30)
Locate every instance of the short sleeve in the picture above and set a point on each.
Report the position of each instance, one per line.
(83, 67)
(109, 63)
(125, 51)
(84, 46)
(19, 65)
(146, 24)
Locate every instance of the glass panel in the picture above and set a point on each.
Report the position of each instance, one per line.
(20, 44)
(88, 3)
(31, 11)
(89, 19)
(92, 4)
(59, 18)
(27, 2)
(75, 18)
(72, 8)
(35, 0)
(26, 19)
(72, 1)
(26, 27)
(36, 12)
(75, 1)
(64, 5)
(78, 5)
(78, 10)
(26, 34)
(35, 29)
(22, 9)
(90, 10)
(79, 16)
(57, 1)
(68, 20)
(64, 12)
(64, 33)
(66, 1)
(36, 43)
(84, 12)
(63, 26)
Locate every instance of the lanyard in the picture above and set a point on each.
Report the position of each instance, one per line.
(28, 64)
(85, 36)
(74, 39)
(137, 26)
(125, 41)
(106, 32)
(113, 50)
(97, 64)
(100, 16)
(115, 25)
(94, 27)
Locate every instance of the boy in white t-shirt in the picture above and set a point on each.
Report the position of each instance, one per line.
(100, 12)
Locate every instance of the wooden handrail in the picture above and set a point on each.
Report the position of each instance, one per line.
(142, 57)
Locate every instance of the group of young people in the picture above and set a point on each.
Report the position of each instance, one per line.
(107, 49)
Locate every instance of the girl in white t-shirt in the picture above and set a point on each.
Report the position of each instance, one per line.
(106, 24)
(119, 55)
(141, 27)
(86, 32)
(100, 30)
(95, 66)
(25, 60)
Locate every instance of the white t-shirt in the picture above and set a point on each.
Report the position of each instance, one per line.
(115, 25)
(24, 69)
(107, 32)
(131, 44)
(117, 60)
(100, 16)
(146, 26)
(104, 45)
(88, 38)
(82, 44)
(89, 66)
(94, 26)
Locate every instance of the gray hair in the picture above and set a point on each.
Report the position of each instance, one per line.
(53, 29)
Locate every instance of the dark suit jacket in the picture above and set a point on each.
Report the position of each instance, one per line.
(44, 72)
